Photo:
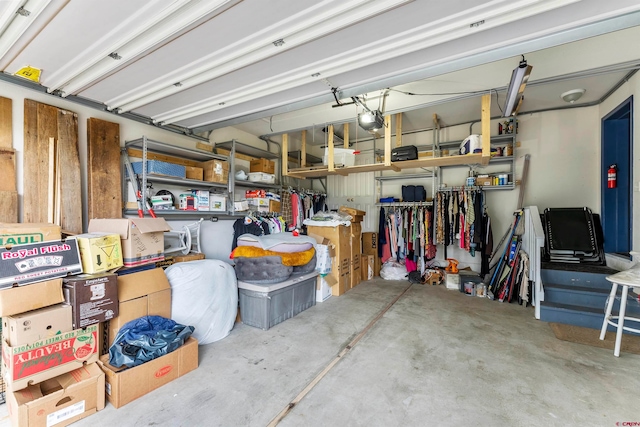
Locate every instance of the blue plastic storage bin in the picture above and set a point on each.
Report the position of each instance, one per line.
(161, 168)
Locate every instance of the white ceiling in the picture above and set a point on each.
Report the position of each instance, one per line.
(205, 64)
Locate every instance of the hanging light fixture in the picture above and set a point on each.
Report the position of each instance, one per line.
(519, 78)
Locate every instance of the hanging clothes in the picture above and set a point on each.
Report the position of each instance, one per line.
(407, 235)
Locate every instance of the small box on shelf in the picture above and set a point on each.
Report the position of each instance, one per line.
(262, 165)
(216, 171)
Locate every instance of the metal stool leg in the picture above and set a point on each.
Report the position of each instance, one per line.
(607, 313)
(623, 308)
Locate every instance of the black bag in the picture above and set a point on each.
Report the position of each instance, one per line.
(420, 194)
(408, 193)
(409, 152)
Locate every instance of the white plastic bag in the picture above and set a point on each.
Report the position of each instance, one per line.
(393, 270)
(204, 294)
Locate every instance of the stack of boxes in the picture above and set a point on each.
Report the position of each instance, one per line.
(370, 262)
(268, 202)
(345, 250)
(48, 360)
(57, 321)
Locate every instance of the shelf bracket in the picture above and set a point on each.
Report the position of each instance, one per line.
(330, 161)
(285, 154)
(399, 130)
(303, 149)
(387, 140)
(486, 128)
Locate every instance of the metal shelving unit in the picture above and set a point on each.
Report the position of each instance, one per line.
(498, 140)
(234, 147)
(147, 145)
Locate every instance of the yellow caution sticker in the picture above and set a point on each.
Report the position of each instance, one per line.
(30, 73)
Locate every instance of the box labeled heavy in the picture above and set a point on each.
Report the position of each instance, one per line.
(22, 234)
(40, 360)
(216, 171)
(126, 385)
(35, 262)
(36, 325)
(99, 252)
(142, 239)
(19, 299)
(140, 294)
(264, 306)
(59, 401)
(262, 165)
(92, 298)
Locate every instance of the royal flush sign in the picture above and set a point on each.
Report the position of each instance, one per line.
(24, 264)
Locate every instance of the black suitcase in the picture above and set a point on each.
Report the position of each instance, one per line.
(420, 194)
(408, 193)
(409, 152)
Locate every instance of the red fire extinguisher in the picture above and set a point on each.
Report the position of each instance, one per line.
(612, 176)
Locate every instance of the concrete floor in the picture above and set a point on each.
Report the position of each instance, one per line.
(436, 357)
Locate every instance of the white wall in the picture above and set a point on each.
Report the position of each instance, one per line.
(565, 155)
(217, 237)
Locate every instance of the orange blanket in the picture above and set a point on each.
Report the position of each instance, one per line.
(294, 259)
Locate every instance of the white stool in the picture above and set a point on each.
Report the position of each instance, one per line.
(626, 279)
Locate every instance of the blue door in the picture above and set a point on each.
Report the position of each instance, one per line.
(617, 202)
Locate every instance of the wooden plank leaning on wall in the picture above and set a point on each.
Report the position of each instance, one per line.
(42, 122)
(8, 193)
(104, 190)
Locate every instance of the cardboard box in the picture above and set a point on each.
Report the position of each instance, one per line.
(202, 199)
(354, 271)
(216, 171)
(59, 401)
(218, 203)
(340, 238)
(124, 386)
(19, 299)
(370, 243)
(170, 260)
(140, 294)
(263, 205)
(35, 262)
(356, 250)
(194, 172)
(142, 239)
(22, 234)
(36, 325)
(367, 266)
(484, 180)
(99, 252)
(356, 214)
(92, 298)
(323, 288)
(262, 165)
(38, 361)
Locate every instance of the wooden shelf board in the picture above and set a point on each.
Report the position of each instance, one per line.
(375, 167)
(310, 172)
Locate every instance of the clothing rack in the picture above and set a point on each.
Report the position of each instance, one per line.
(404, 204)
(461, 188)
